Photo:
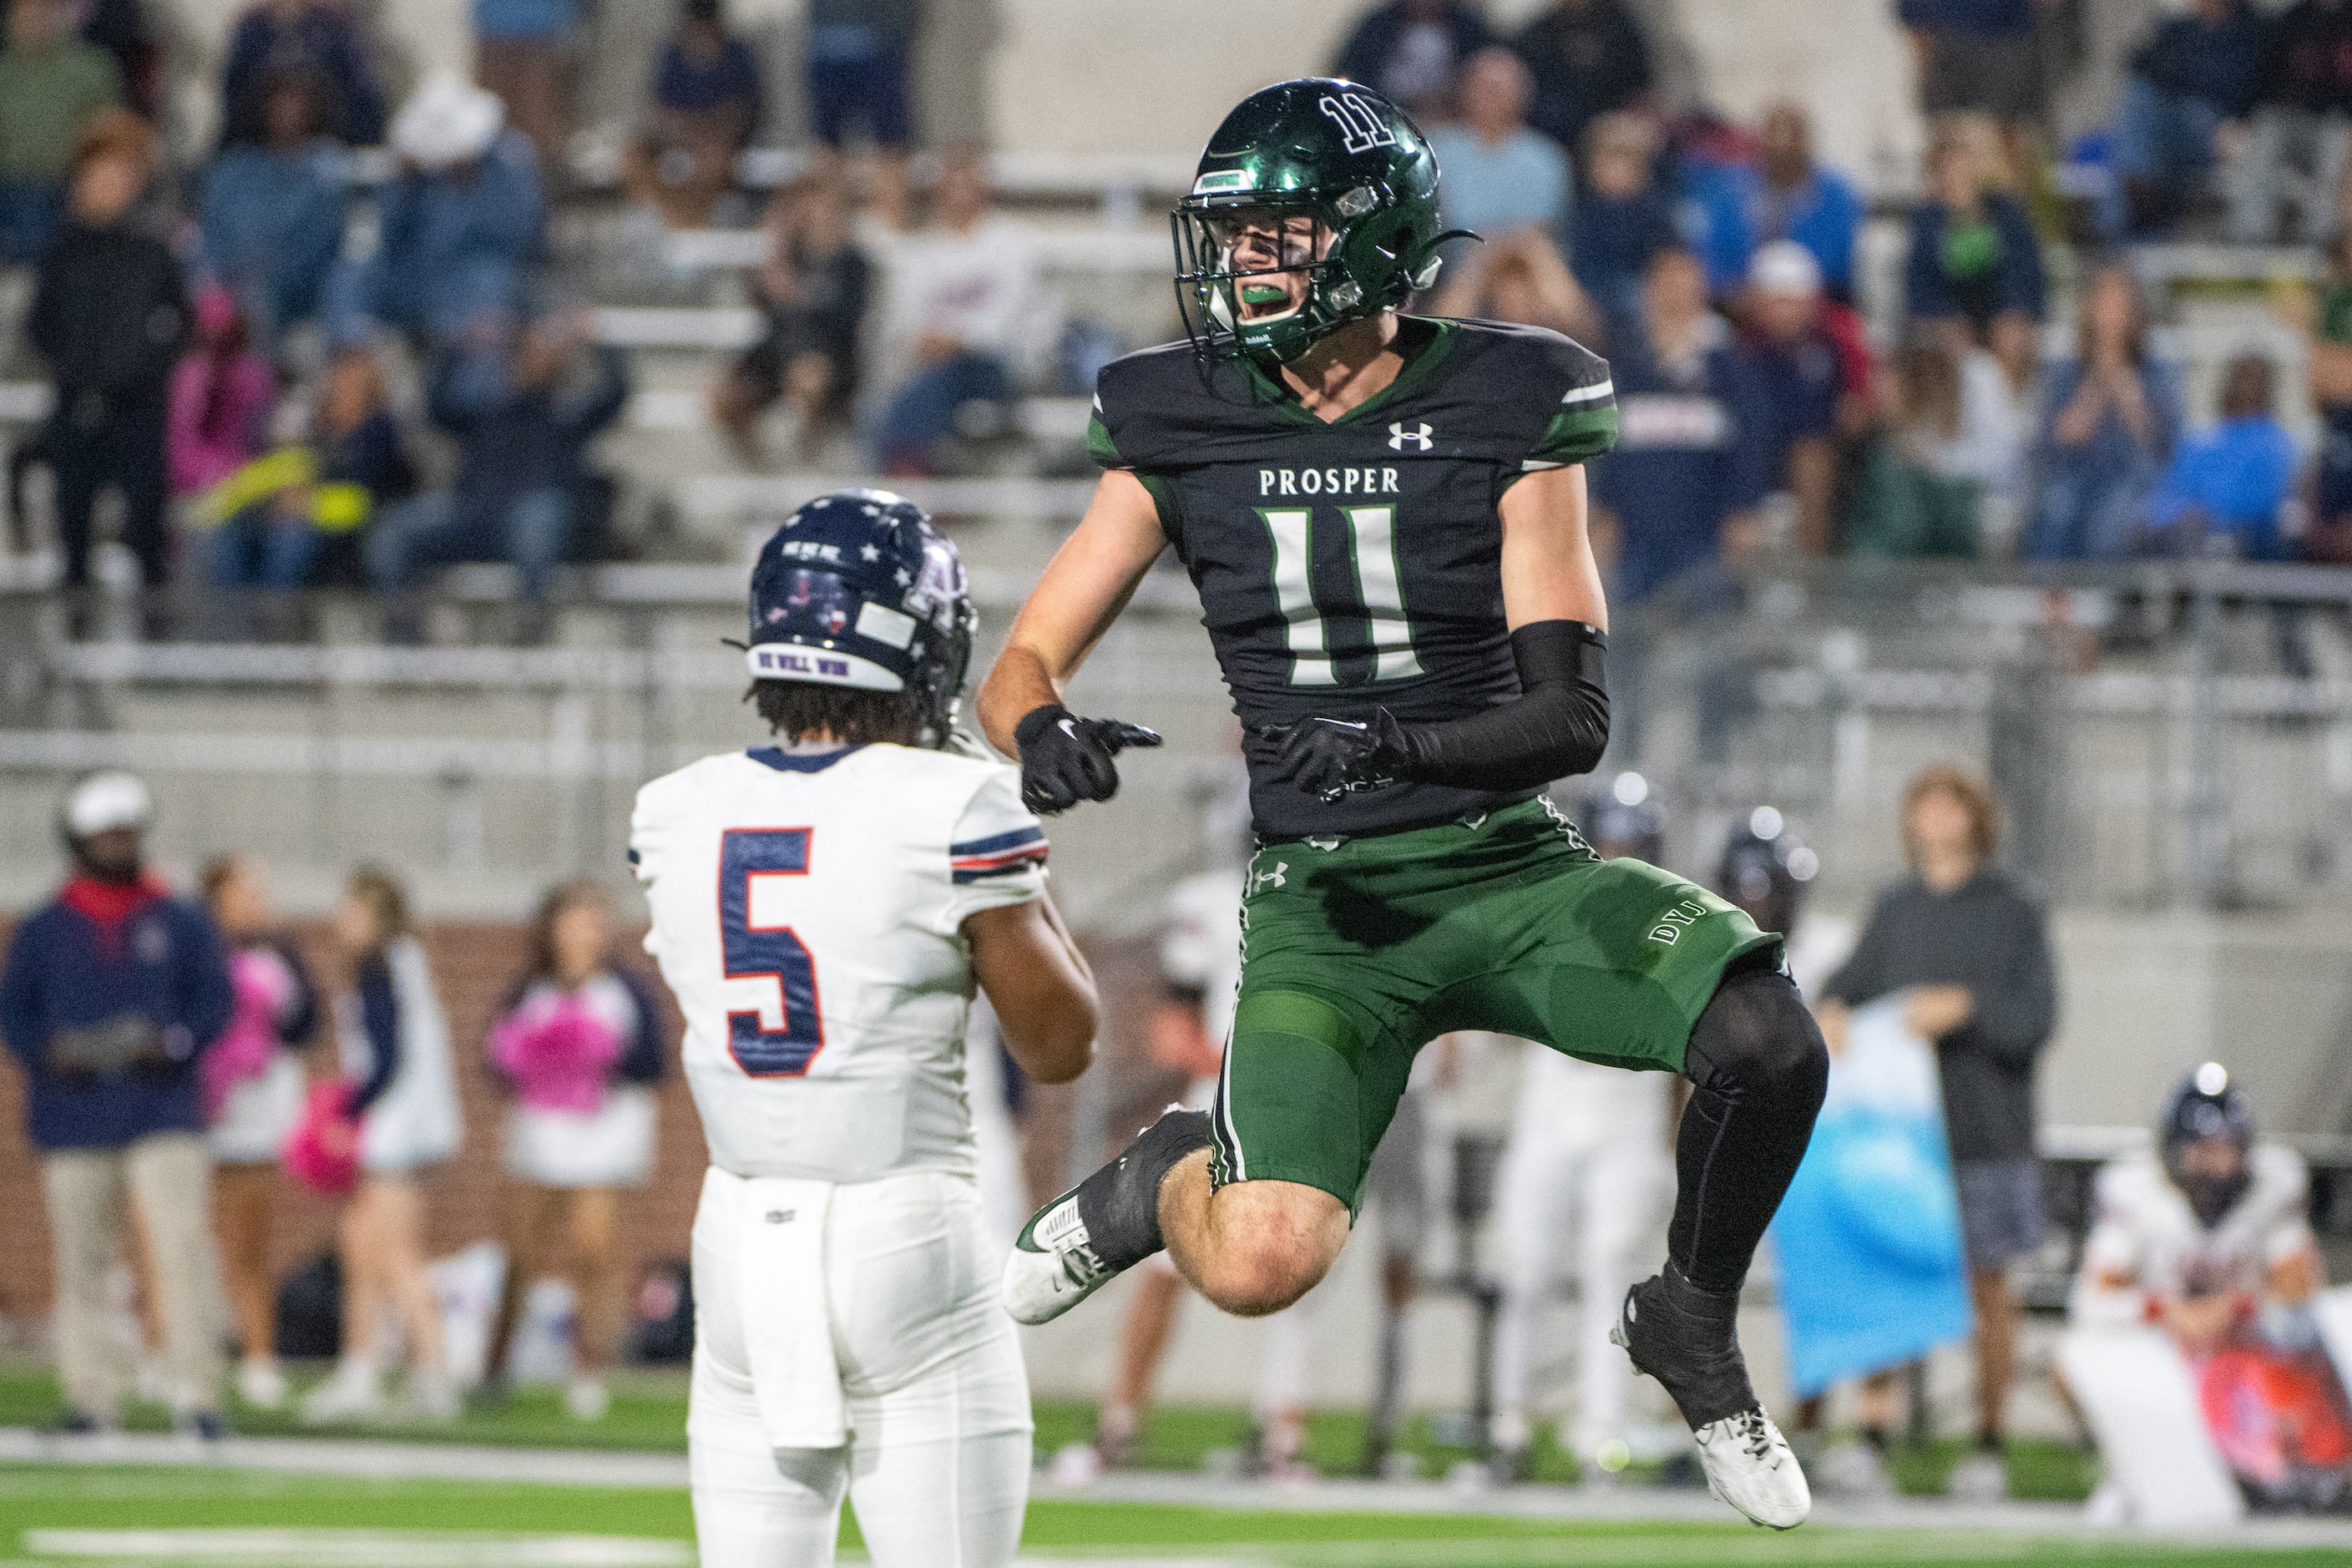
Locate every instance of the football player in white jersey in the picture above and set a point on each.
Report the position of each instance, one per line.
(2203, 1231)
(822, 909)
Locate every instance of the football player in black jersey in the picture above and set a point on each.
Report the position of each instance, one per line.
(1385, 517)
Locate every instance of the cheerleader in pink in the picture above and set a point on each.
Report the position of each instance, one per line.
(579, 1048)
(253, 1087)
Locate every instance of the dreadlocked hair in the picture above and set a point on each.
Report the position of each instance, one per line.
(795, 709)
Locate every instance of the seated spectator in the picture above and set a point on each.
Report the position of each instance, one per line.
(222, 393)
(1950, 447)
(1974, 258)
(1623, 219)
(277, 516)
(1520, 278)
(462, 222)
(962, 293)
(1586, 59)
(1667, 509)
(1785, 194)
(859, 52)
(109, 314)
(321, 36)
(2109, 417)
(523, 408)
(2195, 75)
(2208, 1236)
(1664, 494)
(1793, 380)
(51, 87)
(112, 992)
(813, 291)
(519, 54)
(2301, 129)
(1976, 57)
(2228, 485)
(1499, 176)
(1412, 50)
(273, 210)
(706, 106)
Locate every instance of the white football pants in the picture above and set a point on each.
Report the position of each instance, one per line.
(938, 1464)
(1610, 1189)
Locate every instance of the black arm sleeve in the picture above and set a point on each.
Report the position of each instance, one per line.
(1556, 727)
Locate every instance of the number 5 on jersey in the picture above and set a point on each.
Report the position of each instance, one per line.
(767, 952)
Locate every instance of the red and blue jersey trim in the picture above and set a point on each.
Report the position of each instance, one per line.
(999, 855)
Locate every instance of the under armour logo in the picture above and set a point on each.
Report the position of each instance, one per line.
(1417, 435)
(1359, 124)
(1260, 880)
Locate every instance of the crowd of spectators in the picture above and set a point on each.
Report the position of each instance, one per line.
(1717, 265)
(298, 293)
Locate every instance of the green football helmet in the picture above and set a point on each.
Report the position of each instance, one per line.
(1315, 204)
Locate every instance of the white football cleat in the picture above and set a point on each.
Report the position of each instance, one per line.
(1053, 1265)
(1750, 1465)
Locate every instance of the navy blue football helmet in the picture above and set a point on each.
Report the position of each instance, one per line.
(1764, 870)
(1627, 818)
(856, 588)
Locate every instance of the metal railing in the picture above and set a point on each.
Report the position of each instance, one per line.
(2147, 753)
(2137, 723)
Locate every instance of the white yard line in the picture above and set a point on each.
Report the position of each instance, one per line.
(1881, 1527)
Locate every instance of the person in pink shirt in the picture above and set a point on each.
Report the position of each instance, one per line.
(579, 1048)
(222, 393)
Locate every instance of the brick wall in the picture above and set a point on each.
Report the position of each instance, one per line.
(474, 966)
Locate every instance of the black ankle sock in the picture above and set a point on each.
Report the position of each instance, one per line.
(1757, 1068)
(1120, 1203)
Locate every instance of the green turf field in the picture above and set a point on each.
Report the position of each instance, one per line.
(62, 1515)
(649, 1415)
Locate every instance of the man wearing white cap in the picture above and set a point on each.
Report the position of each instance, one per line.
(463, 220)
(110, 993)
(1792, 375)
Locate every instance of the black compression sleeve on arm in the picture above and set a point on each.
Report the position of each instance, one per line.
(1556, 727)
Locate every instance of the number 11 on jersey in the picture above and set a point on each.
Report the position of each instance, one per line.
(1371, 545)
(767, 952)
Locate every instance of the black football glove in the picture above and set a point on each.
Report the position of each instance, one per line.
(1065, 759)
(1329, 757)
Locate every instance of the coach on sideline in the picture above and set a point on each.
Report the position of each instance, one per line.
(1965, 949)
(110, 993)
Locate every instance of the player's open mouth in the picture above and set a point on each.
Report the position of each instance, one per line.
(1264, 299)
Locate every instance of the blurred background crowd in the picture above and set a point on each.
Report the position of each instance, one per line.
(393, 393)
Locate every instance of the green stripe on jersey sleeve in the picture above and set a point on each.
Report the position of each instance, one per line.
(1099, 446)
(1577, 434)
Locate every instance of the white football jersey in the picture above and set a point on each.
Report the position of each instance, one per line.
(2147, 1234)
(1201, 944)
(807, 914)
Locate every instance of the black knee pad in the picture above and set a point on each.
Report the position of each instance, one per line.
(1757, 1035)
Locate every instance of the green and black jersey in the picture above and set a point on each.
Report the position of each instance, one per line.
(1357, 564)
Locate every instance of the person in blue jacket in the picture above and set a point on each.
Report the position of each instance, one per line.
(110, 993)
(1784, 194)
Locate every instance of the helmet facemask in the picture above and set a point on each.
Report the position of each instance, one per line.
(938, 686)
(1268, 273)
